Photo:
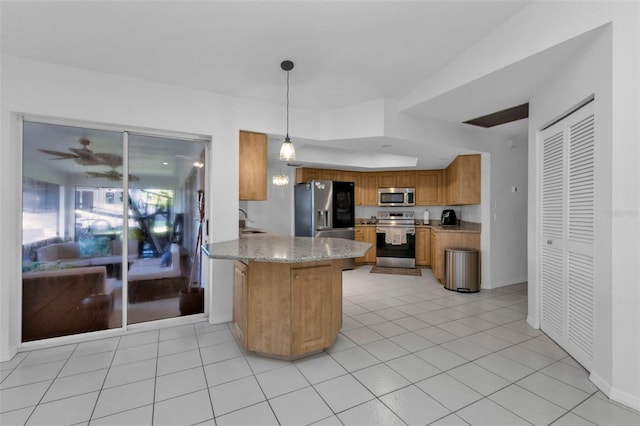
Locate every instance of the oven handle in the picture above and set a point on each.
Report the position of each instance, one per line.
(383, 229)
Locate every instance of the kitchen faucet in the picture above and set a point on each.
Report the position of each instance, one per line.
(246, 218)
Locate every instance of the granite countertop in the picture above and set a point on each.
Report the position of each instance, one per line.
(270, 247)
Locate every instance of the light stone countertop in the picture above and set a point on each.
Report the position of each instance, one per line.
(270, 247)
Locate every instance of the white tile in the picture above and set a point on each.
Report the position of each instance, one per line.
(414, 406)
(523, 327)
(22, 396)
(370, 413)
(391, 314)
(353, 310)
(135, 354)
(301, 407)
(205, 327)
(349, 323)
(87, 363)
(355, 359)
(411, 323)
(380, 379)
(388, 329)
(96, 346)
(553, 390)
(179, 345)
(137, 417)
(494, 318)
(488, 341)
(235, 395)
(41, 356)
(369, 318)
(526, 357)
(433, 317)
(527, 405)
(436, 335)
(15, 417)
(177, 332)
(571, 419)
(180, 383)
(458, 329)
(13, 362)
(450, 392)
(450, 420)
(64, 411)
(178, 362)
(576, 377)
(220, 352)
(341, 343)
(129, 373)
(603, 412)
(384, 350)
(64, 387)
(362, 335)
(215, 338)
(184, 410)
(320, 368)
(282, 380)
(466, 349)
(226, 371)
(505, 333)
(255, 415)
(260, 364)
(125, 397)
(412, 342)
(343, 392)
(487, 412)
(441, 358)
(550, 350)
(413, 368)
(478, 378)
(504, 367)
(32, 374)
(137, 339)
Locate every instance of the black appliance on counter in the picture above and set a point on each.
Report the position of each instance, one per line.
(448, 218)
(325, 208)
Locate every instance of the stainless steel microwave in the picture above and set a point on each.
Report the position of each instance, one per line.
(396, 197)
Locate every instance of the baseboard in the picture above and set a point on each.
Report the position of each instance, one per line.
(533, 322)
(624, 398)
(219, 319)
(506, 283)
(8, 355)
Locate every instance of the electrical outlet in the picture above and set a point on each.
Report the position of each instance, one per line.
(514, 189)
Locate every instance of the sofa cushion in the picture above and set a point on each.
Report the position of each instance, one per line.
(151, 268)
(94, 246)
(58, 251)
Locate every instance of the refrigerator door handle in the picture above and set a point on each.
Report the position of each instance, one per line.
(326, 218)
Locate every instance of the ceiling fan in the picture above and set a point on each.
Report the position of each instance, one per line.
(112, 175)
(86, 157)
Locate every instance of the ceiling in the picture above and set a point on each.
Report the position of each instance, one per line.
(345, 52)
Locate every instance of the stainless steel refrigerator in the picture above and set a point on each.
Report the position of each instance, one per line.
(326, 208)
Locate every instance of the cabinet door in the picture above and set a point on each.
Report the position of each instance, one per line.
(357, 185)
(469, 179)
(329, 174)
(371, 238)
(253, 166)
(305, 174)
(239, 325)
(432, 254)
(361, 235)
(453, 191)
(406, 179)
(423, 246)
(429, 188)
(370, 188)
(310, 308)
(386, 179)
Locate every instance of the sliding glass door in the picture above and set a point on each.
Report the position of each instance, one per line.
(107, 223)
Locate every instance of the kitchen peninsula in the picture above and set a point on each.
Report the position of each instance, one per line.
(287, 296)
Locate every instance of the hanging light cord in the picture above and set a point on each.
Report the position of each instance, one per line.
(287, 138)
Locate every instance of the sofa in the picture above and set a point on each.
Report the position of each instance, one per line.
(87, 252)
(159, 277)
(65, 301)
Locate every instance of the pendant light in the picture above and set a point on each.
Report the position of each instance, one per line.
(287, 150)
(280, 179)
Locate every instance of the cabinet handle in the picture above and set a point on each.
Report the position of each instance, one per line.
(296, 277)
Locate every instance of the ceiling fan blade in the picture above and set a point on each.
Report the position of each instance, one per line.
(62, 155)
(87, 156)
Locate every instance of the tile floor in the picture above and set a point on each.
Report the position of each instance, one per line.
(410, 353)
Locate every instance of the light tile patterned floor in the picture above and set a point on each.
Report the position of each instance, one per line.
(410, 352)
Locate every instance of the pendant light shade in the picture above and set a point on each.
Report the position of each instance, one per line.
(287, 150)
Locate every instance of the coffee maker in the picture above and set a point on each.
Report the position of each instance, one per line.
(448, 218)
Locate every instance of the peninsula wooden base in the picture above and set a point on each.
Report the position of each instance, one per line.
(287, 310)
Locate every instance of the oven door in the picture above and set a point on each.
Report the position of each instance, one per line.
(395, 246)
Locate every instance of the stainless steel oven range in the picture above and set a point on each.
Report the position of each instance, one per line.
(396, 239)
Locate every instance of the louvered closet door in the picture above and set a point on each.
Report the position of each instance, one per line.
(568, 205)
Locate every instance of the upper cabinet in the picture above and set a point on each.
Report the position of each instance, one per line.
(429, 188)
(463, 180)
(397, 179)
(253, 166)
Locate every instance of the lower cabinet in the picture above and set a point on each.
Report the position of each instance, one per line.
(423, 246)
(287, 309)
(367, 234)
(444, 240)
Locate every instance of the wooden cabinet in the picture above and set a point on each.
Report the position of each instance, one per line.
(287, 309)
(369, 189)
(444, 240)
(429, 187)
(305, 174)
(253, 166)
(367, 234)
(463, 180)
(433, 251)
(355, 177)
(397, 179)
(423, 246)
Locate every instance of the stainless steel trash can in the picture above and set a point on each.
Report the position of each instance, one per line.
(461, 270)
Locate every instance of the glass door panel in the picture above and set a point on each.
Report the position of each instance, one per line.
(164, 174)
(71, 230)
